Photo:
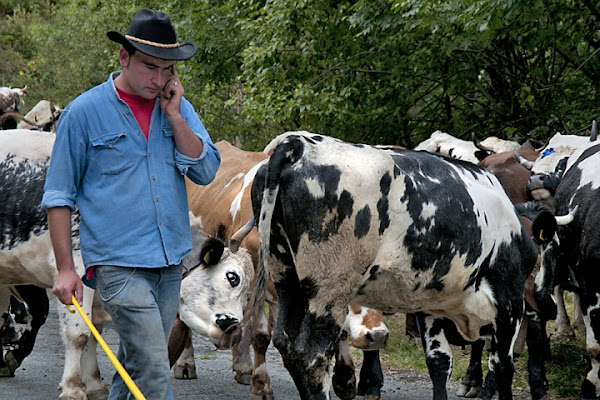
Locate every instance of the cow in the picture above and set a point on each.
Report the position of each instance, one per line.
(413, 232)
(225, 206)
(548, 168)
(26, 256)
(547, 171)
(443, 143)
(31, 312)
(43, 116)
(510, 172)
(576, 247)
(11, 100)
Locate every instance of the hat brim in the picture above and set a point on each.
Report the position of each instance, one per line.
(181, 52)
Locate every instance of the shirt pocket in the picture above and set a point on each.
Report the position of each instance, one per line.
(168, 137)
(110, 153)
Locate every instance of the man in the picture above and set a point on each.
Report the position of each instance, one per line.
(121, 152)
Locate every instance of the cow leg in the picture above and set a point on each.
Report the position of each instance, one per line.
(562, 330)
(301, 336)
(411, 329)
(590, 306)
(539, 351)
(181, 351)
(38, 308)
(260, 385)
(472, 383)
(75, 336)
(242, 363)
(8, 334)
(438, 354)
(95, 388)
(371, 376)
(344, 377)
(500, 375)
(578, 322)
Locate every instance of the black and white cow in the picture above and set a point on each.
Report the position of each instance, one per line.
(413, 232)
(26, 256)
(577, 247)
(11, 101)
(29, 305)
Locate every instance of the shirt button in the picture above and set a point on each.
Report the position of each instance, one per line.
(153, 178)
(139, 133)
(110, 146)
(148, 154)
(157, 199)
(126, 112)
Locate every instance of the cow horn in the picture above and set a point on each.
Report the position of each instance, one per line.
(236, 239)
(594, 134)
(478, 144)
(15, 115)
(524, 162)
(539, 150)
(566, 219)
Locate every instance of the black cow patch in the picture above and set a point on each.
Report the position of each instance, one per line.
(441, 230)
(22, 187)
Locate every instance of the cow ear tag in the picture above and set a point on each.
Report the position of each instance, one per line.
(542, 235)
(208, 256)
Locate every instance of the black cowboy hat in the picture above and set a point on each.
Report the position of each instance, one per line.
(151, 33)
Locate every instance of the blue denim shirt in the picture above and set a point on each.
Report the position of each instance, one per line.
(130, 191)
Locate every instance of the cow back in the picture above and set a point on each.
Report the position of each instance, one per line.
(224, 204)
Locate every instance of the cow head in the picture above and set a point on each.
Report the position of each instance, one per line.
(366, 328)
(551, 273)
(542, 186)
(214, 288)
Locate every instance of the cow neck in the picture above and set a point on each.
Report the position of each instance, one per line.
(140, 107)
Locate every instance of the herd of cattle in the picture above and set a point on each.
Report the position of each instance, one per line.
(472, 240)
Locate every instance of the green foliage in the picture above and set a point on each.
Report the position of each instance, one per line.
(377, 71)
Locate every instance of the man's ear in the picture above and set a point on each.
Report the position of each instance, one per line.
(124, 57)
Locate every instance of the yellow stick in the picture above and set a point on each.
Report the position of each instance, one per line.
(126, 378)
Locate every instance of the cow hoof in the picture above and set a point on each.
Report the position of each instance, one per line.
(268, 396)
(372, 397)
(182, 372)
(78, 396)
(11, 362)
(242, 378)
(468, 391)
(5, 372)
(100, 394)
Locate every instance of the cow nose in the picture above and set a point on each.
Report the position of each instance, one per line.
(225, 322)
(378, 339)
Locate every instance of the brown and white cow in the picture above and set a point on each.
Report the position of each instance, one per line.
(225, 207)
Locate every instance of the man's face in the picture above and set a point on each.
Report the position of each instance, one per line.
(145, 75)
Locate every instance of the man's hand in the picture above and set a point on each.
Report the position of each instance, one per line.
(68, 283)
(171, 95)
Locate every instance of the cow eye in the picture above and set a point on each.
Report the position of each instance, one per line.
(233, 278)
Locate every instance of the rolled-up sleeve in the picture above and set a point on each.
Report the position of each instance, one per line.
(200, 170)
(66, 166)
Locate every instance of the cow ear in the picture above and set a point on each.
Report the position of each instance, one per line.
(211, 252)
(543, 227)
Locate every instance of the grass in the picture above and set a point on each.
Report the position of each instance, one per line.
(565, 371)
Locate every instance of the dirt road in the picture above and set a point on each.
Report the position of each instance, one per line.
(38, 377)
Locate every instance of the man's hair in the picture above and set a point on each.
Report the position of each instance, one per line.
(130, 49)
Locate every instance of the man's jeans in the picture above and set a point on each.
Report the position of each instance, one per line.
(143, 304)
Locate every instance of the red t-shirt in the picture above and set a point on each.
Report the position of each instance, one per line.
(141, 108)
